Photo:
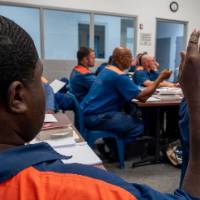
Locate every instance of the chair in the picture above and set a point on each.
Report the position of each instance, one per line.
(66, 88)
(92, 135)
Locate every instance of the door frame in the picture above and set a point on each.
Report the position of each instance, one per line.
(185, 23)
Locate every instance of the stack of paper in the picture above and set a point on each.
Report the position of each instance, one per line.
(49, 118)
(81, 153)
(169, 97)
(169, 91)
(56, 143)
(150, 99)
(61, 142)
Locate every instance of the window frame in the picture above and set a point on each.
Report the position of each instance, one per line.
(91, 24)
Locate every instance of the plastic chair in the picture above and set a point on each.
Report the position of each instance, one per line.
(66, 88)
(92, 135)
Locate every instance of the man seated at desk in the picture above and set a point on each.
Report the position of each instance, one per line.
(37, 172)
(147, 73)
(81, 77)
(57, 101)
(103, 65)
(103, 105)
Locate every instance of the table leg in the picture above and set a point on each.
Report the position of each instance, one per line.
(156, 158)
(157, 150)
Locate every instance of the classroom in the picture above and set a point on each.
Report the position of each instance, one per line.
(99, 99)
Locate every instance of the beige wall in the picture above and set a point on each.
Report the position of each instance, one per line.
(55, 69)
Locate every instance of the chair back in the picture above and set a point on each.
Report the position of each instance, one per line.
(78, 119)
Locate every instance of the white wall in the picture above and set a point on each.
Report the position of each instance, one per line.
(112, 35)
(146, 10)
(61, 34)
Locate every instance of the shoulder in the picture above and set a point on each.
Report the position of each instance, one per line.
(53, 185)
(140, 73)
(82, 70)
(139, 68)
(115, 69)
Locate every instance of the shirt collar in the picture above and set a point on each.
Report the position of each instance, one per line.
(17, 159)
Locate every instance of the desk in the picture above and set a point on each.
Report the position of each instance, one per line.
(59, 116)
(157, 105)
(160, 103)
(79, 139)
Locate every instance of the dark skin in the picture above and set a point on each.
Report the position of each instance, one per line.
(122, 57)
(189, 78)
(22, 113)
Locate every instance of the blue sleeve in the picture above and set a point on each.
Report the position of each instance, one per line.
(154, 75)
(132, 68)
(49, 97)
(63, 102)
(127, 88)
(140, 77)
(89, 80)
(184, 121)
(140, 192)
(100, 68)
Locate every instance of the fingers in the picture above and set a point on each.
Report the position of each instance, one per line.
(183, 55)
(193, 42)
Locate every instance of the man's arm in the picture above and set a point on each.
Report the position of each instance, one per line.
(148, 83)
(190, 84)
(148, 91)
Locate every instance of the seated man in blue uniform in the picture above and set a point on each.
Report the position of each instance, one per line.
(36, 172)
(149, 73)
(103, 65)
(57, 101)
(81, 77)
(103, 105)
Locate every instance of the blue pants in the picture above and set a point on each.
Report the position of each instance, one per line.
(49, 97)
(184, 129)
(123, 124)
(63, 102)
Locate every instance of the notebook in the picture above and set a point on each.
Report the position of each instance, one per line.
(57, 85)
(81, 153)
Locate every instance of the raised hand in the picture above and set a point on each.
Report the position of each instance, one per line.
(165, 74)
(189, 73)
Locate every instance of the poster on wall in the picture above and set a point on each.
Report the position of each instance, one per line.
(145, 39)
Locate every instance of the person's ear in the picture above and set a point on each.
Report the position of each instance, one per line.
(16, 97)
(85, 60)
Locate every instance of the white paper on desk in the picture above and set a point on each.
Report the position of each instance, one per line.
(150, 99)
(57, 85)
(49, 118)
(75, 136)
(169, 91)
(81, 153)
(170, 97)
(61, 142)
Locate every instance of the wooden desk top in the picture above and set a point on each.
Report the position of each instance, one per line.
(161, 103)
(59, 116)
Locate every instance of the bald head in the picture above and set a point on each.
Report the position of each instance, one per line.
(149, 62)
(122, 57)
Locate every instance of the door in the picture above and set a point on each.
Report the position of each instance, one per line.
(170, 40)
